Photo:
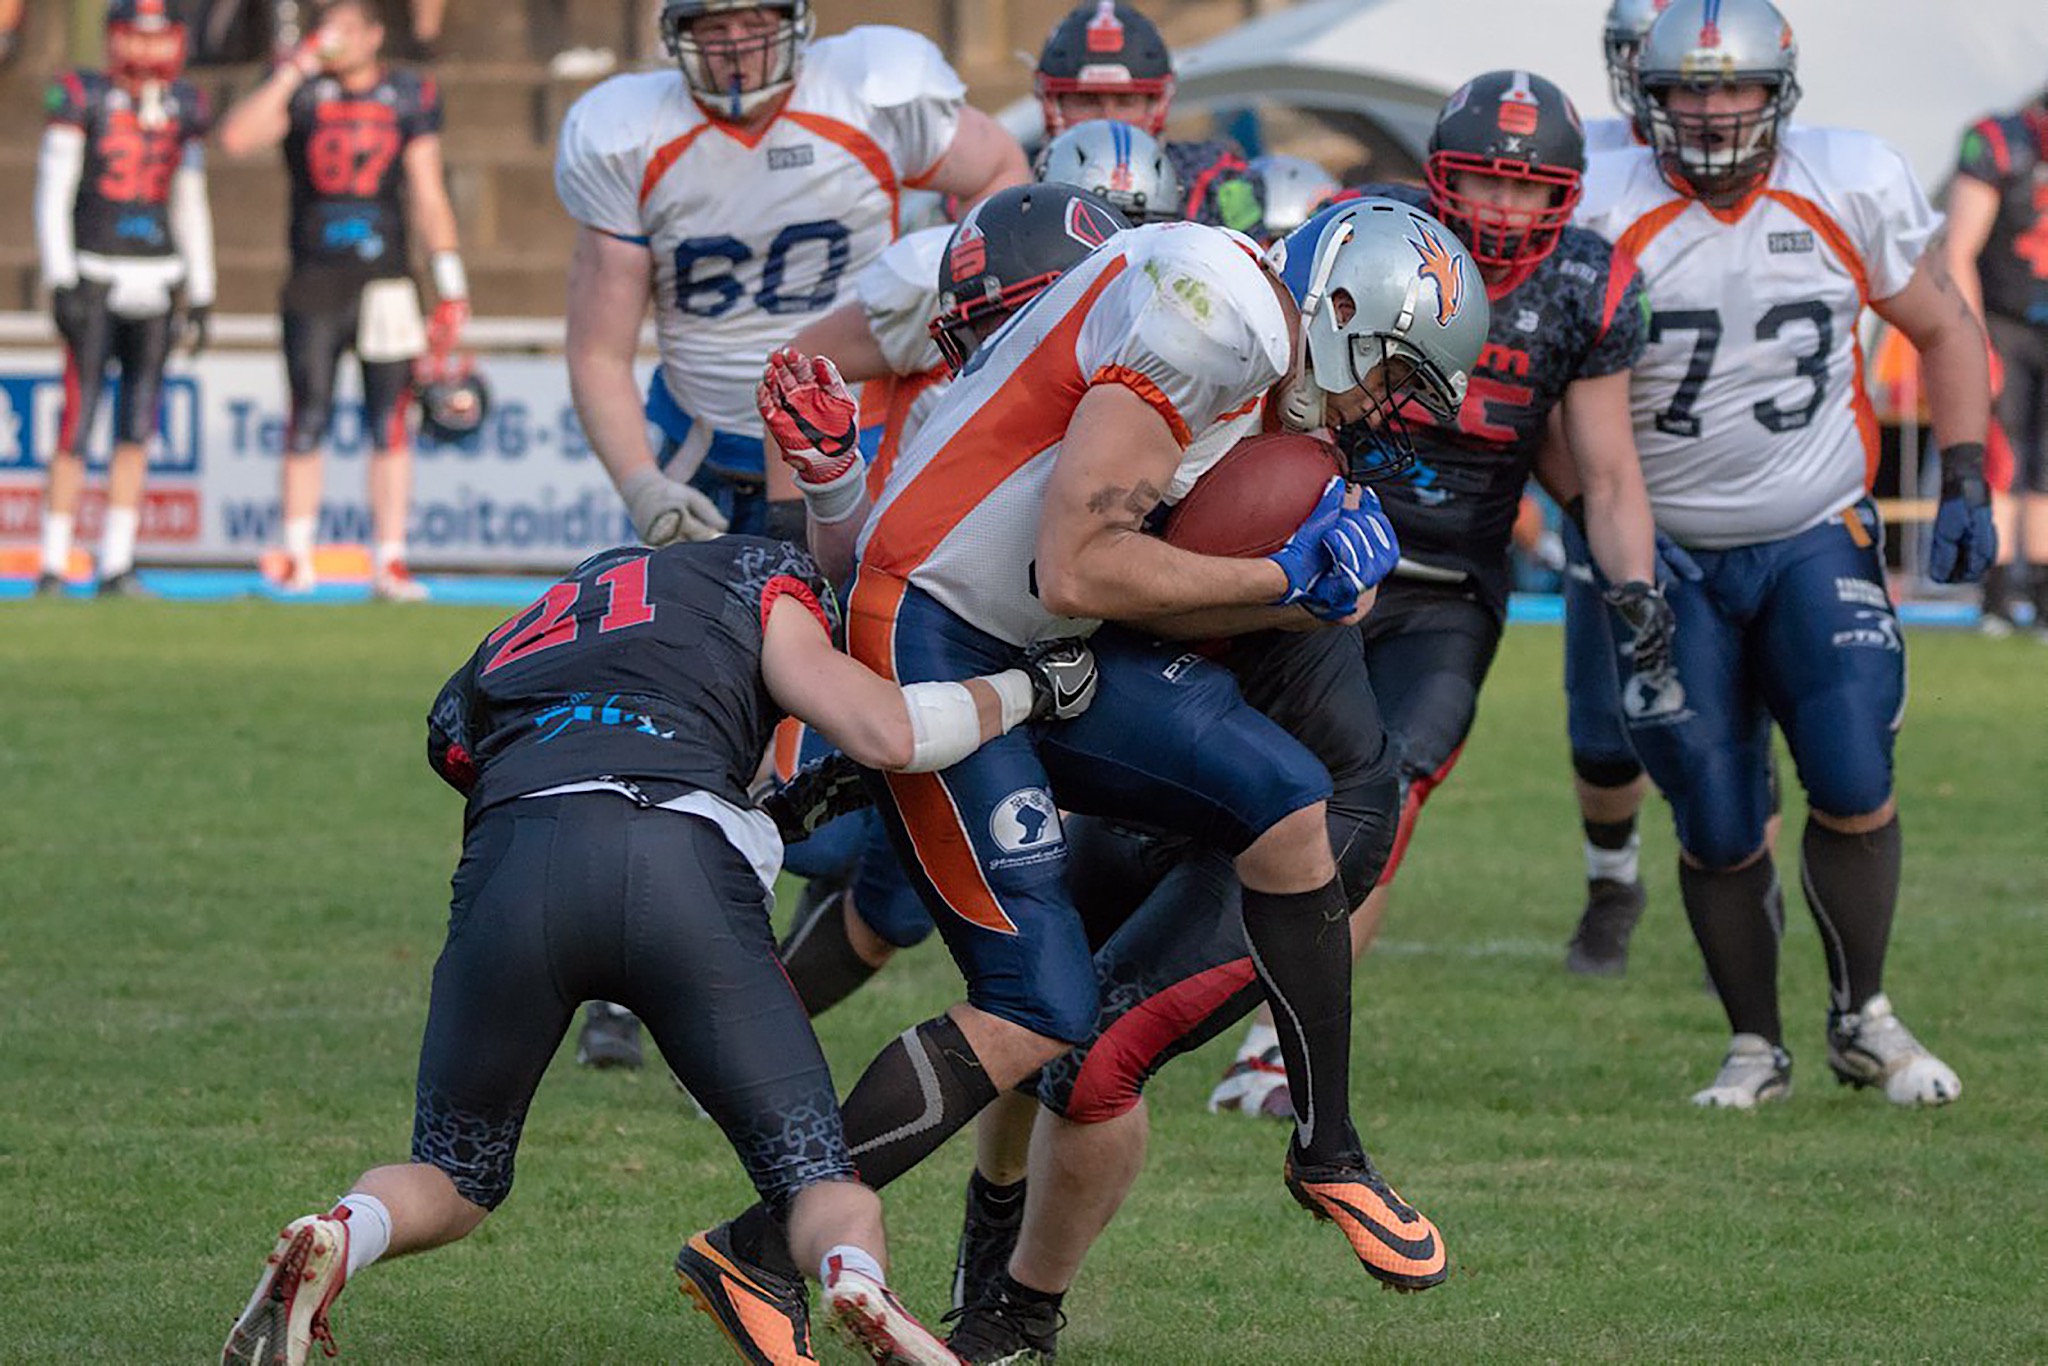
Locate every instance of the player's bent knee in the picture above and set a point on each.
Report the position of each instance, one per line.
(1718, 838)
(475, 1152)
(1606, 771)
(1291, 855)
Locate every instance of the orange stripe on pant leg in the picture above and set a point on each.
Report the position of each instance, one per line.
(938, 836)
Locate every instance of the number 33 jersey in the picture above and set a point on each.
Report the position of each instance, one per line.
(1750, 409)
(752, 236)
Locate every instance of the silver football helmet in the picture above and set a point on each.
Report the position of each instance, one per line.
(1123, 166)
(715, 73)
(1620, 40)
(1290, 189)
(1383, 287)
(1704, 45)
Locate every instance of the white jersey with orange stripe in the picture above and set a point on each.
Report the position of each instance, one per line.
(1610, 134)
(1750, 409)
(1180, 314)
(751, 237)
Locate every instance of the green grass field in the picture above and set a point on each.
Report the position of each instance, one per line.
(225, 881)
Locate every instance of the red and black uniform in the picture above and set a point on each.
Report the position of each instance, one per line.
(345, 151)
(2010, 154)
(1217, 182)
(605, 737)
(126, 254)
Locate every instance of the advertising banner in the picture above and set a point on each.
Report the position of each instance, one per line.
(524, 493)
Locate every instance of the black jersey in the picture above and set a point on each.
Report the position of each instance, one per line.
(346, 155)
(1216, 185)
(1580, 315)
(123, 204)
(642, 666)
(2011, 155)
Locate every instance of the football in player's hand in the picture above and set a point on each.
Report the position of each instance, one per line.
(1251, 500)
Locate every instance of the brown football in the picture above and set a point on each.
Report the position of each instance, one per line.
(1251, 500)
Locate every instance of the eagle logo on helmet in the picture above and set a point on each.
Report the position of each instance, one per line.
(1441, 268)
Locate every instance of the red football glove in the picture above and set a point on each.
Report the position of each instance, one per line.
(444, 331)
(812, 416)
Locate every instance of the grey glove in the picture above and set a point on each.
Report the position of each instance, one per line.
(665, 511)
(1063, 679)
(1650, 617)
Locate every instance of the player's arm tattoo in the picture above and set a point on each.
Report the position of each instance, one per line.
(1125, 508)
(1944, 279)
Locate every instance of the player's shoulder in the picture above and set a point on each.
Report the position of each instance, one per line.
(1841, 159)
(1202, 300)
(636, 111)
(1609, 134)
(913, 259)
(748, 568)
(1192, 159)
(73, 93)
(1622, 180)
(881, 66)
(1579, 266)
(411, 84)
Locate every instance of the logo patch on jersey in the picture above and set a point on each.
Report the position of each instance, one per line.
(1527, 320)
(1026, 822)
(1442, 269)
(1785, 243)
(1655, 699)
(1862, 592)
(790, 158)
(1180, 665)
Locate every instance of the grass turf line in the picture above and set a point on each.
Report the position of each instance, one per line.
(226, 872)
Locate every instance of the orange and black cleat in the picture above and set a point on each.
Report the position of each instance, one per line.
(1394, 1240)
(766, 1317)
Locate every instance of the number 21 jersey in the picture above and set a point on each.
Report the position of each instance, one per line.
(1749, 403)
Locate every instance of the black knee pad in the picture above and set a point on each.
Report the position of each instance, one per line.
(1606, 772)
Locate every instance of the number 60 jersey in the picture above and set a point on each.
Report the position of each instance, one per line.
(1750, 410)
(752, 237)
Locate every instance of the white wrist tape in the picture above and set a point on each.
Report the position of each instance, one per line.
(1013, 686)
(451, 281)
(944, 725)
(835, 500)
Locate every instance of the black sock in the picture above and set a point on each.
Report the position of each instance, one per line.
(2038, 590)
(1852, 888)
(1301, 949)
(1018, 1292)
(1737, 939)
(819, 958)
(1610, 834)
(917, 1093)
(763, 1239)
(1000, 1203)
(1998, 591)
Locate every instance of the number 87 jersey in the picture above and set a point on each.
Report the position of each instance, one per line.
(1749, 402)
(752, 234)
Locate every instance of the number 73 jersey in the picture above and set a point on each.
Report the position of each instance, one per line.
(752, 235)
(1749, 402)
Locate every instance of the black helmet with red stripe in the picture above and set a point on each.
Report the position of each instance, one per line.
(145, 41)
(1515, 127)
(1103, 48)
(1005, 252)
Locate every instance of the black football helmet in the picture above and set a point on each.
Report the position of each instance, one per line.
(1513, 126)
(145, 41)
(1104, 48)
(1005, 252)
(453, 402)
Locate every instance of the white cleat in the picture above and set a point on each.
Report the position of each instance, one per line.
(1256, 1084)
(1873, 1048)
(288, 1312)
(870, 1314)
(395, 583)
(1755, 1070)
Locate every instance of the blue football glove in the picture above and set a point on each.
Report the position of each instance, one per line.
(1303, 558)
(1363, 550)
(1965, 539)
(1674, 564)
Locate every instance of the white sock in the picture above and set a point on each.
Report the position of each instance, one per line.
(298, 537)
(117, 541)
(1257, 1040)
(1616, 865)
(57, 543)
(369, 1229)
(851, 1258)
(389, 553)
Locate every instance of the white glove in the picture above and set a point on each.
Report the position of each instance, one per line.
(665, 511)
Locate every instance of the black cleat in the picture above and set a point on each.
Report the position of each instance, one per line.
(123, 585)
(987, 1238)
(1002, 1330)
(50, 586)
(1599, 946)
(610, 1037)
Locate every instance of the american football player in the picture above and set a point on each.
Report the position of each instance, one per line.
(1759, 244)
(126, 241)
